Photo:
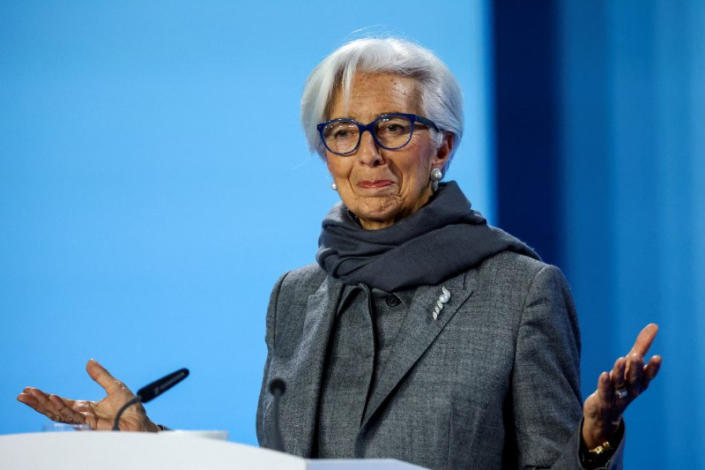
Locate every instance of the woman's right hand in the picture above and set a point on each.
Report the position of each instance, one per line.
(98, 415)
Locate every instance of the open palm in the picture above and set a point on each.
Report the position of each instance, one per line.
(96, 414)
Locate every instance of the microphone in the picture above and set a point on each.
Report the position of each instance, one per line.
(152, 391)
(277, 387)
(159, 386)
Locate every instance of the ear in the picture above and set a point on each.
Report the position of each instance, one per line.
(444, 151)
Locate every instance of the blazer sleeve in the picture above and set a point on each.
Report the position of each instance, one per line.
(546, 395)
(263, 402)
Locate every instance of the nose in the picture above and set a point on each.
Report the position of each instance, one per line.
(368, 153)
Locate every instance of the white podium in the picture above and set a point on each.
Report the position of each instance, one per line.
(149, 451)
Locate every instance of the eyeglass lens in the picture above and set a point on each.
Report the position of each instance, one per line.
(391, 132)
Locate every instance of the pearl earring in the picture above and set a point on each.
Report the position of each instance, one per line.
(334, 186)
(436, 176)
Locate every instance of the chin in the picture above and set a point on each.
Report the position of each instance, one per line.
(380, 214)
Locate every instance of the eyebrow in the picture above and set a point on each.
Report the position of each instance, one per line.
(377, 116)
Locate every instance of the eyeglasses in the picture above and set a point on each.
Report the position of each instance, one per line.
(390, 131)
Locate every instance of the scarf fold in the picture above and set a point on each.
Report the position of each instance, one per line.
(439, 241)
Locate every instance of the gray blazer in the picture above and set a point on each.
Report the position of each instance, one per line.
(492, 383)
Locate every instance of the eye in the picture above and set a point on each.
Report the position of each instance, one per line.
(340, 133)
(393, 127)
(341, 130)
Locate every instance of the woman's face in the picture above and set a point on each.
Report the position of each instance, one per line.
(383, 186)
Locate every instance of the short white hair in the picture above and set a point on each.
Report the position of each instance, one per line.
(441, 98)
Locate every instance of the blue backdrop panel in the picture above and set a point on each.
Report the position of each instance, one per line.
(154, 183)
(634, 209)
(526, 130)
(601, 167)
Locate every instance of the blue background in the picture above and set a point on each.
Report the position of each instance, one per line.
(154, 183)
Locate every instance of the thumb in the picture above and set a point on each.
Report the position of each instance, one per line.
(101, 375)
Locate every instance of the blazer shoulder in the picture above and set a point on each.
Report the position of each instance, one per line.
(294, 287)
(509, 262)
(509, 270)
(305, 278)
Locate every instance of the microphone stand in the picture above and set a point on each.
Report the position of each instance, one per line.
(277, 387)
(122, 409)
(151, 391)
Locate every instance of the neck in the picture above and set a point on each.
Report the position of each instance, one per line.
(376, 224)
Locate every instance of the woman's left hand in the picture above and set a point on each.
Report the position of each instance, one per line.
(602, 411)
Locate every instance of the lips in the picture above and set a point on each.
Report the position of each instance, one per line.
(374, 184)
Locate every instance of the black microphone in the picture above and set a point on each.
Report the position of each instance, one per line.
(277, 387)
(152, 391)
(159, 386)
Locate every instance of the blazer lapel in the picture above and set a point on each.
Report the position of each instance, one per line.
(417, 333)
(305, 369)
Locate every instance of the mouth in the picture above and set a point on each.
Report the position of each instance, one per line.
(374, 184)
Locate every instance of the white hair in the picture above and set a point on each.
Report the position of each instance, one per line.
(441, 98)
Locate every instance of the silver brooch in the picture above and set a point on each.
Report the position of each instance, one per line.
(440, 303)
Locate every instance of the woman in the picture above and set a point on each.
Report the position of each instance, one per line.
(422, 333)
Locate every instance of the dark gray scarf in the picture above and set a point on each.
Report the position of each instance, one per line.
(442, 239)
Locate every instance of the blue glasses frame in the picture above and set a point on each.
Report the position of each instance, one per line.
(413, 118)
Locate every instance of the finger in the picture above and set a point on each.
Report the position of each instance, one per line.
(617, 373)
(28, 400)
(65, 411)
(634, 373)
(101, 375)
(610, 411)
(652, 368)
(650, 371)
(33, 392)
(605, 388)
(39, 400)
(644, 339)
(61, 401)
